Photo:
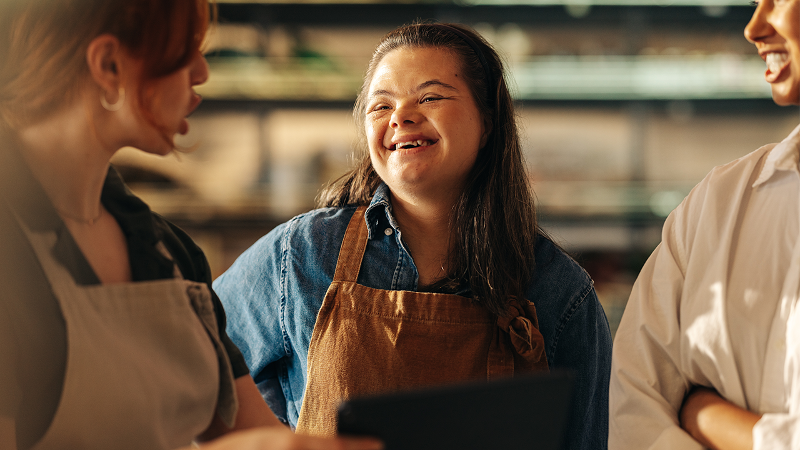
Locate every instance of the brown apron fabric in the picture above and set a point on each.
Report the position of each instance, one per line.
(368, 341)
(145, 366)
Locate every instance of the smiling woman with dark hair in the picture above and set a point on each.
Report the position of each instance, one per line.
(708, 351)
(425, 264)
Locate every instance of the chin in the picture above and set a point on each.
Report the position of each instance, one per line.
(786, 95)
(785, 100)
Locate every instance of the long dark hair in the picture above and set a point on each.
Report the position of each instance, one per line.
(493, 222)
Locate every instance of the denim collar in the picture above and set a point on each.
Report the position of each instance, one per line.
(380, 211)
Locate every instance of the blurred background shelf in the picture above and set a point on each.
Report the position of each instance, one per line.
(624, 105)
(648, 77)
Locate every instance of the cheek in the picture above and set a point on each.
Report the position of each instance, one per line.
(470, 134)
(787, 24)
(375, 130)
(372, 144)
(379, 163)
(155, 100)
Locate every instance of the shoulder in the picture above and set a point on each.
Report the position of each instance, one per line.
(735, 176)
(556, 274)
(317, 232)
(741, 166)
(321, 221)
(309, 239)
(713, 201)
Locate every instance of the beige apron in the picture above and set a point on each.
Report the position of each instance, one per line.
(369, 340)
(145, 365)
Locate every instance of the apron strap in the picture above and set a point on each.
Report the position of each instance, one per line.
(353, 246)
(202, 304)
(227, 401)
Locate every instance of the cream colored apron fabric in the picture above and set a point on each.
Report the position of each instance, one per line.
(368, 340)
(145, 366)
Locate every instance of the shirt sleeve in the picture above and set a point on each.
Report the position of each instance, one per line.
(647, 386)
(584, 347)
(250, 291)
(777, 432)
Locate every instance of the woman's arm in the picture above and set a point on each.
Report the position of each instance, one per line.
(584, 348)
(253, 411)
(715, 422)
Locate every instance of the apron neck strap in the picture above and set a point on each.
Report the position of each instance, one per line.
(353, 246)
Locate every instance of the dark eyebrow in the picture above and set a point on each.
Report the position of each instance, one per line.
(435, 83)
(420, 87)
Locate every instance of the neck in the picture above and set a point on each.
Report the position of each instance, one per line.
(70, 163)
(426, 231)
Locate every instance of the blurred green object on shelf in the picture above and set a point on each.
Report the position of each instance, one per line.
(310, 75)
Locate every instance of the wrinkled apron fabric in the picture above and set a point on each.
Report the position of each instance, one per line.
(368, 341)
(145, 366)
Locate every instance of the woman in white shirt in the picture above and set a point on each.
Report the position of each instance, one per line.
(708, 351)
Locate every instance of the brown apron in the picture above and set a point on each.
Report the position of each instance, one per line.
(145, 366)
(369, 340)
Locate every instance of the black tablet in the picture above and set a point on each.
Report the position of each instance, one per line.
(528, 412)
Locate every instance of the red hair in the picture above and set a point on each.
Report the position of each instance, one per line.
(43, 47)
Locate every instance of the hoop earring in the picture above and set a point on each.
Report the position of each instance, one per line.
(116, 106)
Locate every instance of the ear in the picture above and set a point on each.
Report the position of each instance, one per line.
(104, 58)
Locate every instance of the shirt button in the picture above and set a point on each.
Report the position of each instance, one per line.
(387, 231)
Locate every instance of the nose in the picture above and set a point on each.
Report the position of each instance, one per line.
(199, 72)
(759, 28)
(404, 115)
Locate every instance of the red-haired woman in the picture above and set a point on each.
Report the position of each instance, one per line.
(110, 336)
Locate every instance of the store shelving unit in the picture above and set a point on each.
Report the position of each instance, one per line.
(663, 70)
(630, 68)
(626, 104)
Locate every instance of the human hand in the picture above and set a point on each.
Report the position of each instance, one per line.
(281, 438)
(715, 422)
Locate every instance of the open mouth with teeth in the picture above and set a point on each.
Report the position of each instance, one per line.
(775, 63)
(412, 144)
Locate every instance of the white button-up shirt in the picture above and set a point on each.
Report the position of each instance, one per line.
(716, 305)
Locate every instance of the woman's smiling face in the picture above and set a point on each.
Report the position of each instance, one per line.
(775, 30)
(423, 127)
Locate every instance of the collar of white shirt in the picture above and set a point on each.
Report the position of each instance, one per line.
(783, 156)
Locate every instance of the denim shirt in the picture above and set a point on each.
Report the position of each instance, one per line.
(273, 292)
